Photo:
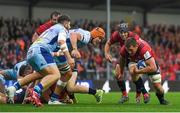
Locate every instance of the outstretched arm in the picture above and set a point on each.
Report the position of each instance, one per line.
(107, 51)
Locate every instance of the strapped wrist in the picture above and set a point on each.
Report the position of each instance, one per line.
(74, 48)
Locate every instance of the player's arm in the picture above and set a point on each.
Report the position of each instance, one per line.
(150, 65)
(74, 37)
(121, 64)
(119, 70)
(107, 51)
(111, 41)
(63, 47)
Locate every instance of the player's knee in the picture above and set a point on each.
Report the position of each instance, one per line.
(70, 88)
(56, 76)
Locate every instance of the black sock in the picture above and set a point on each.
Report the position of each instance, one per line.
(122, 85)
(140, 85)
(160, 97)
(71, 96)
(92, 91)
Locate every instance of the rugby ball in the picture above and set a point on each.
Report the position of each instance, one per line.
(141, 64)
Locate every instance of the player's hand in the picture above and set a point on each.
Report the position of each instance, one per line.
(71, 62)
(118, 72)
(136, 70)
(75, 54)
(108, 57)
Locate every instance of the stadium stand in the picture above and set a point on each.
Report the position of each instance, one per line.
(15, 38)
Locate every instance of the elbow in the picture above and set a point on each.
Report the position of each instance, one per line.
(107, 46)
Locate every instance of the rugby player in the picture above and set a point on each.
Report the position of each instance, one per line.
(136, 50)
(40, 58)
(77, 39)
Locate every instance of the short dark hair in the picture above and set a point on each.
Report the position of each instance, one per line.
(131, 41)
(23, 68)
(63, 18)
(55, 13)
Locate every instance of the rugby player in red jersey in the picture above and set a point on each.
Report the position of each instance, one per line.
(120, 37)
(137, 52)
(54, 17)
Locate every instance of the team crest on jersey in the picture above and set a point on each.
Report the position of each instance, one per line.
(147, 55)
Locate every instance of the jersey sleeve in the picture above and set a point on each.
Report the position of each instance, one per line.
(62, 35)
(113, 38)
(85, 38)
(145, 53)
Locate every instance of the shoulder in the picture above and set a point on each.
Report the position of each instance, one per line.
(115, 34)
(132, 34)
(46, 25)
(145, 51)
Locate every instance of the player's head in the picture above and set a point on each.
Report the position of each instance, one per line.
(65, 21)
(25, 70)
(54, 16)
(136, 28)
(97, 35)
(123, 30)
(131, 46)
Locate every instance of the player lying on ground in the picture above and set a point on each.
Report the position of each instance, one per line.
(20, 70)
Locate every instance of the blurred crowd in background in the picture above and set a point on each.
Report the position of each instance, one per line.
(15, 39)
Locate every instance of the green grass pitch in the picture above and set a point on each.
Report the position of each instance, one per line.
(87, 103)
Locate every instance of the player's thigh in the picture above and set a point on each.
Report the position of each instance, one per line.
(42, 61)
(50, 70)
(71, 83)
(156, 78)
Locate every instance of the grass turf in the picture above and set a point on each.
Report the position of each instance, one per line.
(87, 103)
